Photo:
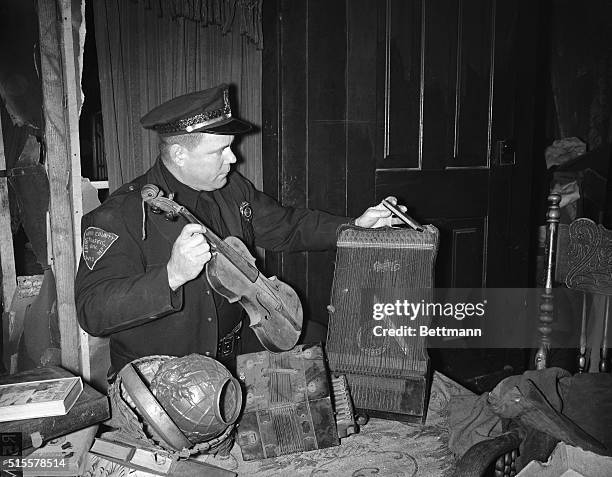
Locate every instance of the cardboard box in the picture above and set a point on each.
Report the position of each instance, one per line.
(569, 461)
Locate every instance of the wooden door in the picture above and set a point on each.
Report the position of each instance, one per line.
(428, 100)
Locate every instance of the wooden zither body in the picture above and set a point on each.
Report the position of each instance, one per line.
(388, 372)
(291, 404)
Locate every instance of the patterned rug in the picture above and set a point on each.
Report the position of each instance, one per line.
(382, 448)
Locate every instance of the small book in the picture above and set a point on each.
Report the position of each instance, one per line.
(33, 399)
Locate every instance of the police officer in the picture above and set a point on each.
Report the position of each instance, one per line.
(140, 277)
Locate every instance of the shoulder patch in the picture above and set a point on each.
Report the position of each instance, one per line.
(96, 242)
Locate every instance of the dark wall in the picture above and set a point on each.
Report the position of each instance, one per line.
(575, 99)
(580, 62)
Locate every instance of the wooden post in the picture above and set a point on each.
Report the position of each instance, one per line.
(59, 92)
(7, 256)
(71, 83)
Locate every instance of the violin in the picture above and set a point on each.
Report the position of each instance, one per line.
(274, 309)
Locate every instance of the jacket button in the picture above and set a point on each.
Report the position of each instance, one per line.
(208, 292)
(207, 353)
(209, 318)
(131, 187)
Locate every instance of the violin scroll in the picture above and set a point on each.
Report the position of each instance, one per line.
(154, 196)
(149, 192)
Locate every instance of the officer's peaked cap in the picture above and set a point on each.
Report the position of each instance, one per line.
(206, 111)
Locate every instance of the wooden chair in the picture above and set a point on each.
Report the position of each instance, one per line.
(580, 256)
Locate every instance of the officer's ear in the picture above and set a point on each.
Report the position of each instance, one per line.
(177, 154)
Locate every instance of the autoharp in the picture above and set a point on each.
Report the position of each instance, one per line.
(378, 274)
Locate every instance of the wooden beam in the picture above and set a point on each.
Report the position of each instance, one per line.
(57, 90)
(7, 255)
(71, 84)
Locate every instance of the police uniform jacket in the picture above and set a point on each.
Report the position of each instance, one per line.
(122, 283)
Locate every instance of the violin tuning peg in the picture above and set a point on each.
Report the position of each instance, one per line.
(156, 210)
(170, 216)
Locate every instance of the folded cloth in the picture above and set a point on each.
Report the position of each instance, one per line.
(471, 420)
(501, 399)
(476, 418)
(563, 151)
(549, 405)
(531, 408)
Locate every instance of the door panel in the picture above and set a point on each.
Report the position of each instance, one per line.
(475, 44)
(439, 82)
(402, 29)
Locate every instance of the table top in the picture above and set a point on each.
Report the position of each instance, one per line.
(381, 448)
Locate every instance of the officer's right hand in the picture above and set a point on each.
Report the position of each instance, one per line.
(190, 253)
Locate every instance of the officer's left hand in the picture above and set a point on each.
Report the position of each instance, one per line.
(379, 215)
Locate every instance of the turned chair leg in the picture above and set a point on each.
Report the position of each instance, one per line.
(546, 314)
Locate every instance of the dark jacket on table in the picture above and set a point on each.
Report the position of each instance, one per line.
(125, 292)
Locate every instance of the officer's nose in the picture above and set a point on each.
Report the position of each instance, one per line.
(228, 156)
